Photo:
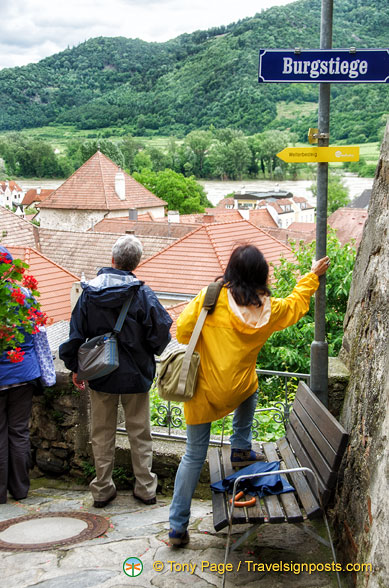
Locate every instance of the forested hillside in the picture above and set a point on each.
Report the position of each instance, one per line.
(202, 79)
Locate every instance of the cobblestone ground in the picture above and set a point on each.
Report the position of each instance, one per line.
(141, 531)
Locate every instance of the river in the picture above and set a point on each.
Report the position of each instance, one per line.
(217, 189)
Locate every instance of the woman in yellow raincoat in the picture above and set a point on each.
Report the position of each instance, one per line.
(244, 317)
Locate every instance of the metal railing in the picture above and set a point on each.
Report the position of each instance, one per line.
(172, 417)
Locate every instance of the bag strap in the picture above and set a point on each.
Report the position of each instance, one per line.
(210, 299)
(123, 313)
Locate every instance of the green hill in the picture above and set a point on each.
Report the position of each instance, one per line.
(201, 79)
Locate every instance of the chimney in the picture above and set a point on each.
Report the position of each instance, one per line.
(173, 216)
(38, 191)
(208, 218)
(120, 185)
(133, 214)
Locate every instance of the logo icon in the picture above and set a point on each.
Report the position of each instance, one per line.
(132, 567)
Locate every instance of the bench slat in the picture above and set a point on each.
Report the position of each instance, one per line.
(288, 500)
(320, 464)
(332, 457)
(324, 420)
(256, 514)
(219, 507)
(304, 492)
(304, 460)
(239, 515)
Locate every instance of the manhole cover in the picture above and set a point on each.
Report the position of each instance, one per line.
(49, 530)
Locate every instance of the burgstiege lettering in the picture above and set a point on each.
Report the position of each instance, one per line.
(353, 69)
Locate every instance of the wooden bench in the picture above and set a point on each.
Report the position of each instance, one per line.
(310, 455)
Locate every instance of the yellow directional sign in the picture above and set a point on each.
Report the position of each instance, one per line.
(319, 154)
(313, 136)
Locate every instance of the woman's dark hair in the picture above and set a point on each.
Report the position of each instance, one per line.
(246, 275)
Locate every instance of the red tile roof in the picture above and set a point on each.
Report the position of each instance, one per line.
(54, 282)
(262, 218)
(348, 224)
(16, 230)
(87, 252)
(142, 227)
(286, 235)
(224, 202)
(12, 186)
(146, 224)
(284, 201)
(92, 187)
(302, 227)
(195, 260)
(33, 195)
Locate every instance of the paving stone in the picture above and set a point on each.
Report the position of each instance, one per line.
(60, 505)
(84, 579)
(142, 532)
(11, 511)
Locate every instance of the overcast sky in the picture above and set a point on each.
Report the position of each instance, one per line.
(34, 29)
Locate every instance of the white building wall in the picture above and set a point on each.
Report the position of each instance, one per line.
(69, 220)
(82, 220)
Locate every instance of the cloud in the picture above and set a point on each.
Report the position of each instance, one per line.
(34, 29)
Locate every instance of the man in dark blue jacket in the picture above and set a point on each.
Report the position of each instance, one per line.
(145, 333)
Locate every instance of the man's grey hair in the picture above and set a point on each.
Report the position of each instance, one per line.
(127, 252)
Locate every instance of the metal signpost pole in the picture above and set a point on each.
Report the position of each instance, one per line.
(319, 347)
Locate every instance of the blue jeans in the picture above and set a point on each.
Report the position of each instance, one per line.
(189, 470)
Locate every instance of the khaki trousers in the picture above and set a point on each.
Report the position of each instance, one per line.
(104, 409)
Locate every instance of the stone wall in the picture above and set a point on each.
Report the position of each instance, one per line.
(59, 430)
(60, 441)
(338, 379)
(362, 509)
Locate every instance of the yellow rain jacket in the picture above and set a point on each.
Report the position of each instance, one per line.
(229, 344)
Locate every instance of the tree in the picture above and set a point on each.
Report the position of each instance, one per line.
(289, 350)
(265, 146)
(142, 161)
(181, 193)
(130, 147)
(337, 193)
(199, 143)
(230, 160)
(109, 148)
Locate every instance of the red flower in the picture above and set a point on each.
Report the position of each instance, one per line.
(37, 316)
(19, 270)
(18, 296)
(4, 258)
(6, 333)
(15, 355)
(30, 282)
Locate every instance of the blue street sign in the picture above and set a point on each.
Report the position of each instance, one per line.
(324, 65)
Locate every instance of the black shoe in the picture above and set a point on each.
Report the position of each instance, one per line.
(147, 501)
(245, 457)
(103, 503)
